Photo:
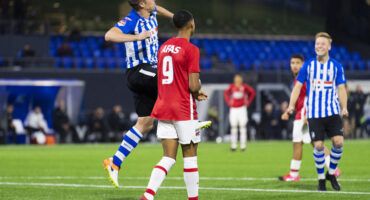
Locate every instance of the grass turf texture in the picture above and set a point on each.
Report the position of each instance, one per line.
(76, 172)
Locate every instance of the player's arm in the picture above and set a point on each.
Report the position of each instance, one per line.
(194, 70)
(340, 82)
(227, 94)
(294, 96)
(116, 35)
(301, 79)
(164, 12)
(194, 87)
(342, 95)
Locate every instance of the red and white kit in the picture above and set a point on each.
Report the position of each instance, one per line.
(300, 128)
(239, 98)
(175, 107)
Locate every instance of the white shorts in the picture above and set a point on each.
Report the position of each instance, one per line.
(238, 116)
(300, 132)
(185, 131)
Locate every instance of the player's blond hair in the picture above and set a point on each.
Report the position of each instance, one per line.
(324, 35)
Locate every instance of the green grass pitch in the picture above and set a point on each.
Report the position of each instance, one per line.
(75, 172)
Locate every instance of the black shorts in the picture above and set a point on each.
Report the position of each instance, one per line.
(330, 126)
(142, 81)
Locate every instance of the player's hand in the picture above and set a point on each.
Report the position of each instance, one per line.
(143, 35)
(305, 121)
(290, 110)
(285, 116)
(202, 96)
(344, 112)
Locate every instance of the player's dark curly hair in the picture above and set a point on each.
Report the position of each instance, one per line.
(181, 18)
(135, 4)
(298, 56)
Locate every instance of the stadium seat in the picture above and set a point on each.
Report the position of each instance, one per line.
(79, 63)
(67, 62)
(244, 54)
(111, 63)
(89, 63)
(100, 63)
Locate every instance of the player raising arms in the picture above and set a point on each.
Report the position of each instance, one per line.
(239, 96)
(323, 76)
(139, 33)
(178, 88)
(300, 134)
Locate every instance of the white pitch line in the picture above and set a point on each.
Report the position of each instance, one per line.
(183, 188)
(171, 178)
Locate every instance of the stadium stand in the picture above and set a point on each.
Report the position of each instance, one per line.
(244, 54)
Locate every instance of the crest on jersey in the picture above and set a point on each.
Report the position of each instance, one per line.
(197, 133)
(123, 21)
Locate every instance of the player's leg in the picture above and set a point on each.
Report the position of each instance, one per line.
(233, 118)
(242, 121)
(162, 168)
(189, 138)
(129, 142)
(335, 132)
(337, 171)
(317, 132)
(169, 139)
(144, 100)
(191, 174)
(295, 163)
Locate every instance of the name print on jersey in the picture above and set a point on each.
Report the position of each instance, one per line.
(171, 48)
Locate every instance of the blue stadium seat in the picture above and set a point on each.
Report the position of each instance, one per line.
(205, 63)
(244, 54)
(67, 62)
(86, 53)
(100, 63)
(97, 53)
(58, 62)
(89, 63)
(79, 63)
(111, 63)
(108, 53)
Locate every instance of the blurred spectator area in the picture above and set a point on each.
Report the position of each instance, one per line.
(217, 54)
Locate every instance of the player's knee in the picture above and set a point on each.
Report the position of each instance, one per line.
(243, 129)
(189, 150)
(170, 155)
(234, 126)
(319, 146)
(144, 124)
(337, 142)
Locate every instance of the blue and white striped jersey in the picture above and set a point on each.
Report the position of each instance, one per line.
(144, 51)
(322, 81)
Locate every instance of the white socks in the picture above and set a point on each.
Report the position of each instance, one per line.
(158, 175)
(191, 177)
(295, 165)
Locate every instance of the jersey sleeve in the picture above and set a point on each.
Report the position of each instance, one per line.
(340, 79)
(155, 11)
(193, 60)
(126, 25)
(227, 94)
(302, 75)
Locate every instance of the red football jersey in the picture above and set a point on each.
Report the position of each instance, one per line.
(239, 96)
(177, 58)
(300, 106)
